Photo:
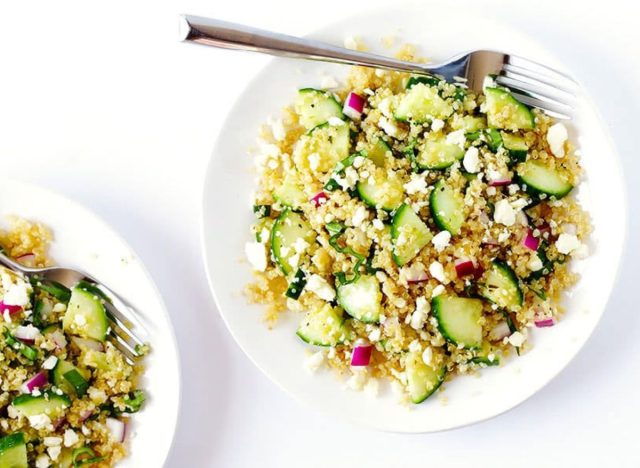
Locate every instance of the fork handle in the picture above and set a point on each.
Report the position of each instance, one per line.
(216, 33)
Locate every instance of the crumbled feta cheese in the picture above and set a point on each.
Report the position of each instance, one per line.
(504, 213)
(294, 260)
(441, 240)
(517, 339)
(359, 216)
(358, 161)
(50, 363)
(349, 180)
(300, 245)
(457, 138)
(374, 335)
(335, 121)
(503, 236)
(535, 264)
(54, 452)
(378, 224)
(513, 189)
(437, 271)
(320, 287)
(256, 254)
(40, 421)
(491, 191)
(70, 438)
(417, 184)
(437, 125)
(567, 243)
(415, 346)
(313, 362)
(471, 161)
(328, 82)
(43, 461)
(52, 441)
(419, 316)
(385, 107)
(17, 294)
(389, 127)
(60, 307)
(556, 137)
(437, 291)
(427, 355)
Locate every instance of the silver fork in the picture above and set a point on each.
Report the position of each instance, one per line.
(532, 83)
(121, 324)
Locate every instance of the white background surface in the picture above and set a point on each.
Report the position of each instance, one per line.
(102, 104)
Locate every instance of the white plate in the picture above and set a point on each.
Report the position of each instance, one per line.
(82, 240)
(280, 354)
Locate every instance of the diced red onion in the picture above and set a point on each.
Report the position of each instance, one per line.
(37, 381)
(548, 322)
(353, 106)
(500, 182)
(26, 334)
(58, 338)
(117, 428)
(361, 355)
(319, 199)
(491, 243)
(417, 277)
(11, 308)
(531, 242)
(465, 267)
(500, 331)
(86, 343)
(28, 259)
(86, 414)
(57, 424)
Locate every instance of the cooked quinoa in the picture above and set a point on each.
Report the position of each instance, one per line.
(419, 230)
(66, 393)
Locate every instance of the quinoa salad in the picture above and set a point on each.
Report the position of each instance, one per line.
(419, 231)
(66, 393)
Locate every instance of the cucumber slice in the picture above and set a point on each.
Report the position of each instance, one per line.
(500, 285)
(506, 112)
(493, 139)
(409, 234)
(70, 379)
(315, 106)
(541, 178)
(86, 315)
(422, 380)
(323, 147)
(49, 403)
(384, 192)
(362, 299)
(516, 145)
(95, 359)
(422, 103)
(459, 320)
(447, 207)
(379, 152)
(13, 451)
(438, 154)
(290, 193)
(323, 327)
(426, 79)
(285, 232)
(471, 124)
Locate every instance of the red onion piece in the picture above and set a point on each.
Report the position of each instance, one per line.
(531, 242)
(37, 381)
(86, 414)
(28, 259)
(500, 182)
(57, 424)
(353, 106)
(319, 199)
(417, 277)
(500, 331)
(548, 322)
(117, 428)
(465, 267)
(86, 343)
(26, 334)
(361, 355)
(12, 309)
(58, 338)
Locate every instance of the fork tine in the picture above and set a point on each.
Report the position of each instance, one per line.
(531, 90)
(122, 322)
(549, 108)
(125, 335)
(531, 66)
(125, 351)
(538, 80)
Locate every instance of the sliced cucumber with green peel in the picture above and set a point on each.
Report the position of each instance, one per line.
(422, 103)
(506, 112)
(409, 234)
(323, 147)
(459, 320)
(493, 139)
(323, 327)
(471, 124)
(362, 299)
(290, 193)
(447, 207)
(379, 152)
(500, 285)
(422, 379)
(49, 403)
(85, 315)
(515, 145)
(70, 379)
(438, 154)
(384, 192)
(540, 178)
(288, 228)
(13, 451)
(315, 106)
(428, 80)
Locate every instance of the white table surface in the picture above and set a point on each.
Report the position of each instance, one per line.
(99, 102)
